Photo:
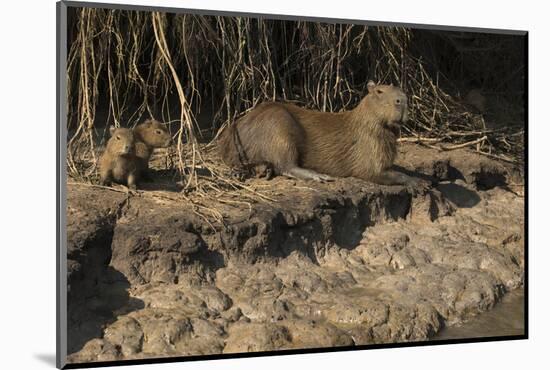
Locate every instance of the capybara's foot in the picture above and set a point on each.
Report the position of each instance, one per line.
(418, 186)
(305, 174)
(264, 171)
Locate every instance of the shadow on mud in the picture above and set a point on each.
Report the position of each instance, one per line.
(168, 180)
(90, 312)
(161, 180)
(459, 195)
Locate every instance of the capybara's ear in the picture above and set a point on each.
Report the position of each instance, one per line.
(371, 85)
(112, 130)
(149, 121)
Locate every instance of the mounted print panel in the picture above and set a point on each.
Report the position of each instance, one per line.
(245, 184)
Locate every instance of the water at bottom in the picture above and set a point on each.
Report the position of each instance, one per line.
(506, 318)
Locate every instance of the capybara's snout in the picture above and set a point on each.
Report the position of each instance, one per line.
(128, 148)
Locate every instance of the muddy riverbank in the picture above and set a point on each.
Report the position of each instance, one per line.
(321, 265)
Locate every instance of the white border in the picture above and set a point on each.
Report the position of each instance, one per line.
(28, 182)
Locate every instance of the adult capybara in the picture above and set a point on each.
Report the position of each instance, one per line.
(150, 134)
(118, 162)
(307, 144)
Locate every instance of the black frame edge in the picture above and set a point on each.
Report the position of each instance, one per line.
(526, 193)
(183, 359)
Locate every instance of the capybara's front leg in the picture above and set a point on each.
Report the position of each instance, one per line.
(132, 181)
(391, 177)
(105, 177)
(305, 174)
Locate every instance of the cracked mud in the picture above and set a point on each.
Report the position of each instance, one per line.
(337, 264)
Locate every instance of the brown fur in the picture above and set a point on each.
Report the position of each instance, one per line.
(308, 144)
(149, 135)
(118, 162)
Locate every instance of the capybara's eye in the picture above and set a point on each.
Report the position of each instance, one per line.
(158, 132)
(118, 137)
(379, 91)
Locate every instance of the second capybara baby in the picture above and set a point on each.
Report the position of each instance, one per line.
(150, 134)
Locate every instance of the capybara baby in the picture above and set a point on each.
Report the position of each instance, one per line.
(307, 144)
(149, 135)
(118, 162)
